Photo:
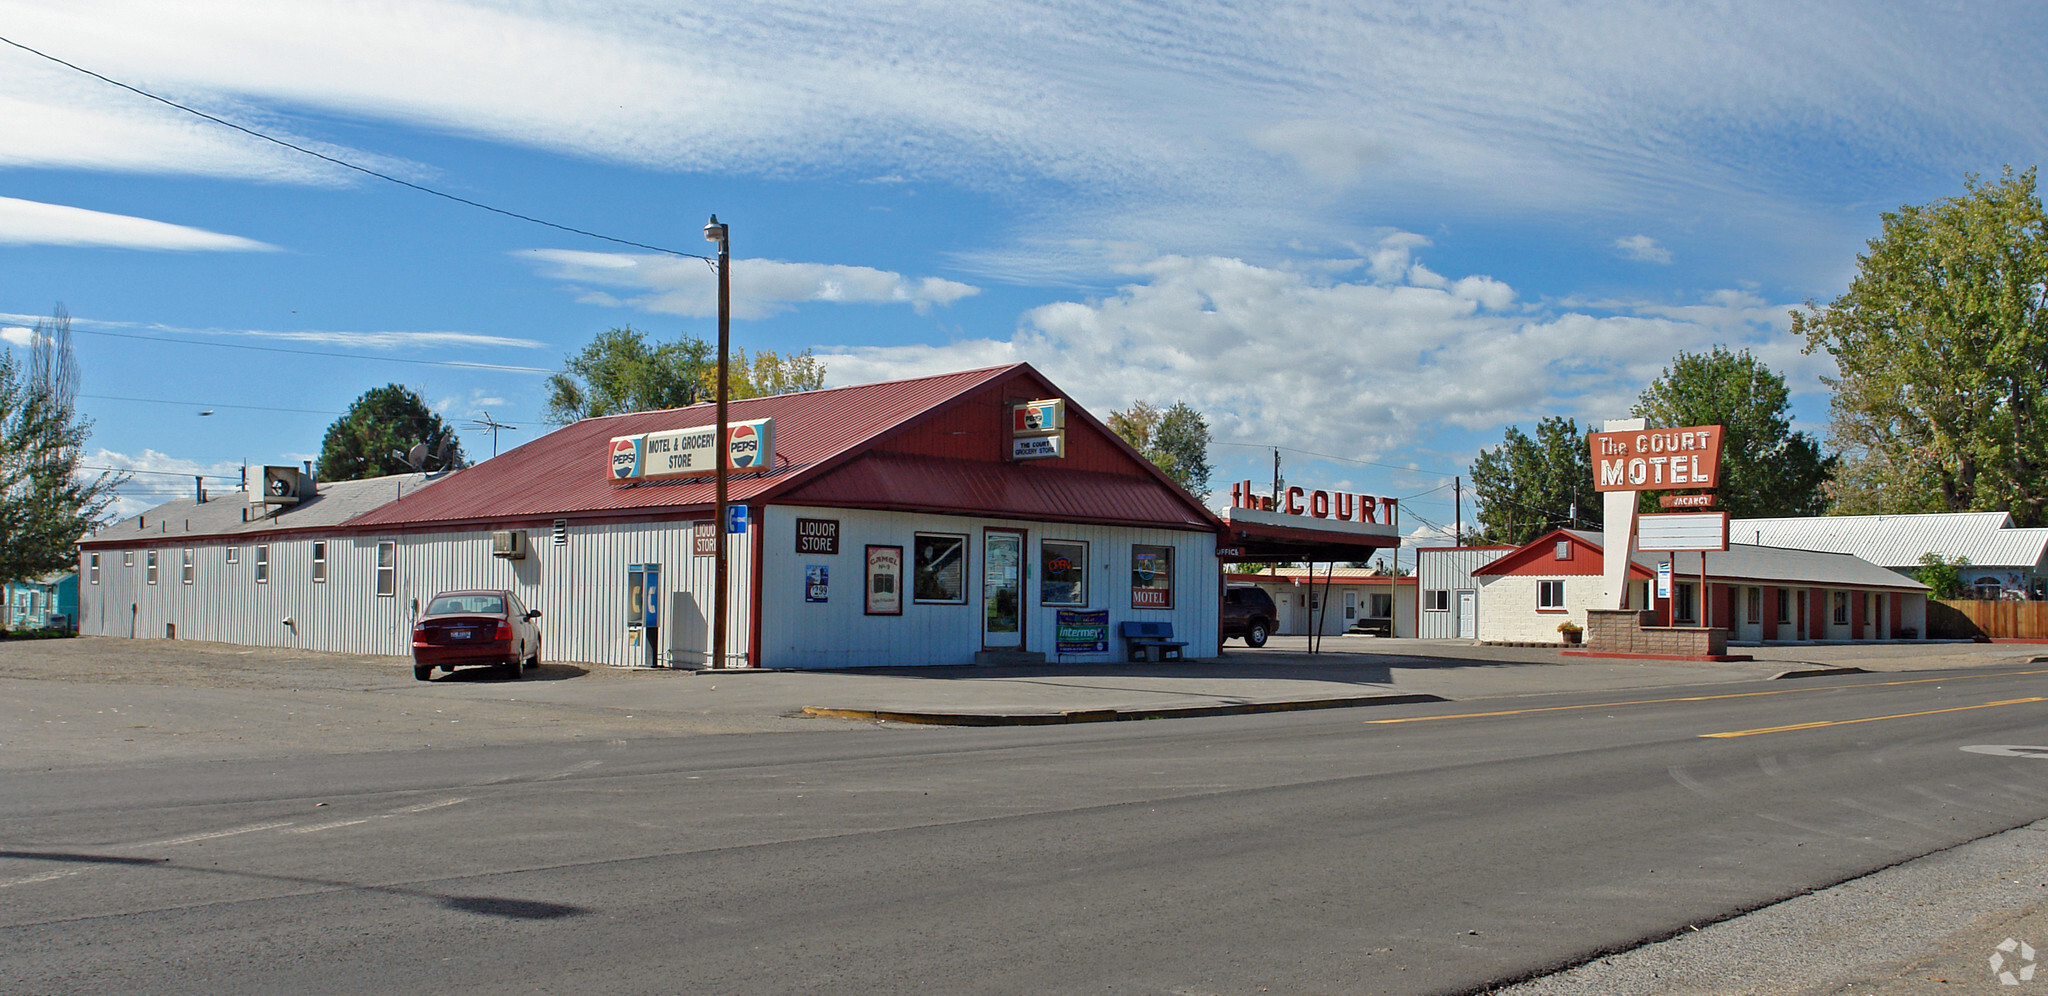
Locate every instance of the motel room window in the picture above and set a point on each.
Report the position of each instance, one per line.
(262, 565)
(234, 555)
(1382, 607)
(1151, 577)
(93, 568)
(1550, 595)
(1063, 573)
(149, 566)
(387, 568)
(1436, 600)
(1841, 601)
(185, 571)
(319, 561)
(1784, 606)
(1753, 604)
(941, 569)
(1684, 604)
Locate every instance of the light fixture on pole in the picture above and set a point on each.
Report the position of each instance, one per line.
(715, 231)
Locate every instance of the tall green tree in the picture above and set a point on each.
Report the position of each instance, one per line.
(1526, 487)
(46, 503)
(1767, 469)
(1942, 344)
(373, 436)
(1175, 439)
(622, 371)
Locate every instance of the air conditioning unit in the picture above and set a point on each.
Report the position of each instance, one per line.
(281, 486)
(508, 543)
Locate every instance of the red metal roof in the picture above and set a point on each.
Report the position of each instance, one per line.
(935, 443)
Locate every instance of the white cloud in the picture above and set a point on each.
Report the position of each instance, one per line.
(158, 478)
(15, 335)
(760, 287)
(35, 223)
(1643, 248)
(1187, 131)
(1359, 369)
(386, 340)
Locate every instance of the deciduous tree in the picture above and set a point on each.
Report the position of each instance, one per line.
(621, 371)
(46, 501)
(1942, 345)
(1175, 439)
(1767, 469)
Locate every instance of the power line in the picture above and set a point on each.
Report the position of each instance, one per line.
(345, 163)
(206, 404)
(466, 364)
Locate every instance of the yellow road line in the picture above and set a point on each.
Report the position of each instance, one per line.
(1700, 698)
(1866, 719)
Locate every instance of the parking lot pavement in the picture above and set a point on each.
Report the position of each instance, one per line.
(105, 700)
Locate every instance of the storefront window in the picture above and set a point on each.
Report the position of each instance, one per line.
(1151, 577)
(941, 568)
(1063, 573)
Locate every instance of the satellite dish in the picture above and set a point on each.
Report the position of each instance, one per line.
(441, 452)
(417, 456)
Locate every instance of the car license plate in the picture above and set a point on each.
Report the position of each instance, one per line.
(459, 634)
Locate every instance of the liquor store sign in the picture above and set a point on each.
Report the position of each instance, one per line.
(750, 446)
(1657, 459)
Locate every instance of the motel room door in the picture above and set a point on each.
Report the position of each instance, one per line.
(1002, 589)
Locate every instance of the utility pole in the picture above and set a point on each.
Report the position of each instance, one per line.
(721, 450)
(1276, 478)
(1458, 510)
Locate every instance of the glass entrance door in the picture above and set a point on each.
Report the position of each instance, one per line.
(1002, 590)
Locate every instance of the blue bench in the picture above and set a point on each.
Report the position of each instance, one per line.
(1150, 641)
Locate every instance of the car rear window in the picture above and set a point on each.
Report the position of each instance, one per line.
(481, 604)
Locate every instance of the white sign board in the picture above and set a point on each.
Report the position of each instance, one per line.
(1690, 531)
(750, 446)
(1037, 447)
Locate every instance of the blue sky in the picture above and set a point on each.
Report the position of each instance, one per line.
(1373, 235)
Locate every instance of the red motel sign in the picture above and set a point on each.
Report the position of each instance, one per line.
(1657, 459)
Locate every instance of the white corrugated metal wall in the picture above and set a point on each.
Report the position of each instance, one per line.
(839, 633)
(1448, 570)
(580, 588)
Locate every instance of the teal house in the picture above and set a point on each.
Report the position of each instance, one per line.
(45, 603)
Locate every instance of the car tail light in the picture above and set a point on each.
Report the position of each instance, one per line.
(504, 631)
(419, 636)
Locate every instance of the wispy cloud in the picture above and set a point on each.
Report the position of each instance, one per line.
(24, 223)
(1197, 128)
(1372, 366)
(760, 287)
(1643, 248)
(383, 340)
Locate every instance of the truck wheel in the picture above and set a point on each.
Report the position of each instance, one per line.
(1255, 634)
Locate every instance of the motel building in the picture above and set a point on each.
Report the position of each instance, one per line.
(1360, 600)
(971, 517)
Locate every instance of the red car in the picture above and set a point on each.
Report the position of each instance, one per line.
(462, 628)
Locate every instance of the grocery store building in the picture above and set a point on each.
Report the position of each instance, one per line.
(978, 515)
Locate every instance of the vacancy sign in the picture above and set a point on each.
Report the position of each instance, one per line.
(1657, 459)
(1682, 531)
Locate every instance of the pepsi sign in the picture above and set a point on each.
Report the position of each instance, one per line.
(745, 446)
(750, 446)
(626, 457)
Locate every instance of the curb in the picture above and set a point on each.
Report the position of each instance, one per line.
(1817, 672)
(1109, 715)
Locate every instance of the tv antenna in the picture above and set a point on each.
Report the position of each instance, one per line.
(485, 422)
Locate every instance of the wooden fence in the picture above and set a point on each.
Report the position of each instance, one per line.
(1968, 619)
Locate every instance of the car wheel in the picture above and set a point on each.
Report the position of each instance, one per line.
(534, 661)
(1255, 634)
(513, 668)
(423, 672)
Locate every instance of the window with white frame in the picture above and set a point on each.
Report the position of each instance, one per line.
(1753, 604)
(1784, 605)
(1562, 551)
(234, 555)
(319, 561)
(1841, 602)
(149, 566)
(1550, 595)
(940, 568)
(92, 571)
(1436, 600)
(1063, 573)
(185, 571)
(387, 568)
(262, 565)
(127, 558)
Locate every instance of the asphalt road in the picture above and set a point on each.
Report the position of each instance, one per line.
(1405, 849)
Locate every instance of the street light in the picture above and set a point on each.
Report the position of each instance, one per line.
(715, 231)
